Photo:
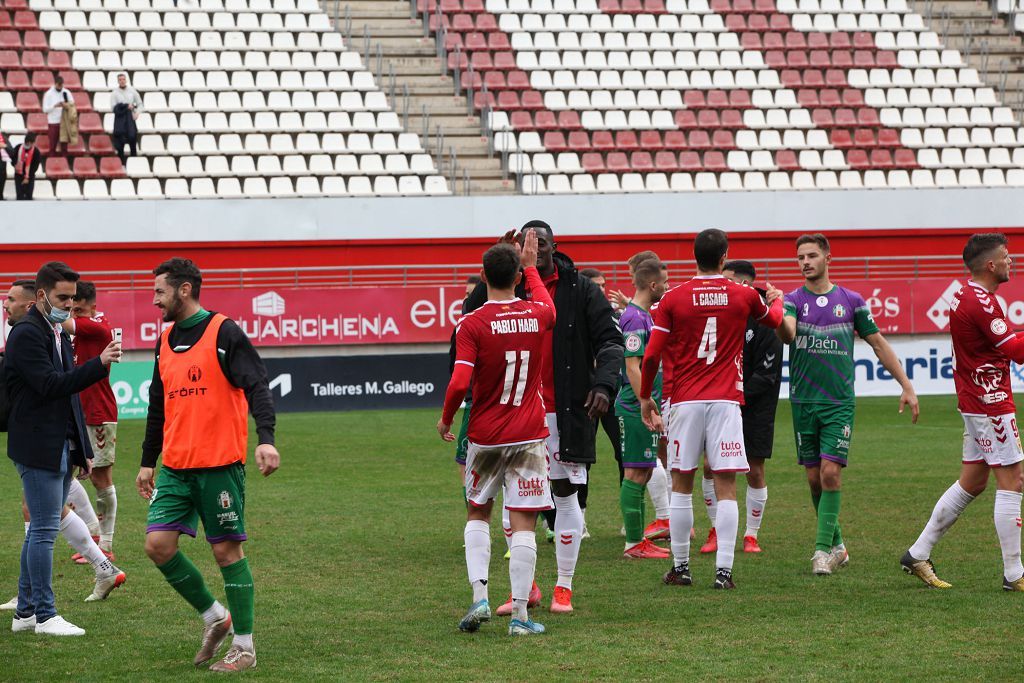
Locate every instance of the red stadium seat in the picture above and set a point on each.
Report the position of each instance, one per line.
(579, 140)
(42, 80)
(462, 23)
(650, 140)
(473, 6)
(521, 120)
(830, 98)
(807, 98)
(532, 100)
(9, 60)
(699, 139)
(862, 40)
(817, 41)
(822, 118)
(497, 40)
(36, 123)
(675, 140)
(474, 41)
(57, 168)
(813, 78)
(632, 6)
(10, 40)
(736, 23)
(694, 99)
(839, 40)
(5, 20)
(880, 158)
(774, 41)
(452, 40)
(841, 139)
(18, 80)
(715, 162)
(25, 21)
(85, 168)
(487, 23)
(569, 120)
(853, 97)
(863, 137)
(654, 7)
(846, 118)
(791, 78)
(609, 6)
(545, 120)
(508, 99)
(797, 59)
(506, 61)
(625, 141)
(32, 60)
(554, 142)
(795, 40)
(518, 80)
(905, 158)
(749, 41)
(841, 59)
(617, 162)
(776, 59)
(27, 102)
(886, 59)
(858, 160)
(100, 144)
(665, 162)
(708, 118)
(494, 80)
(481, 61)
(723, 139)
(602, 140)
(732, 118)
(863, 59)
(778, 22)
(685, 119)
(36, 40)
(717, 99)
(867, 117)
(835, 78)
(111, 167)
(887, 137)
(690, 161)
(593, 162)
(786, 160)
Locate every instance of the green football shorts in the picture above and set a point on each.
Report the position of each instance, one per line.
(823, 431)
(639, 444)
(215, 496)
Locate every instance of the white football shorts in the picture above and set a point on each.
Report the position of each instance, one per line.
(575, 472)
(993, 440)
(521, 470)
(714, 428)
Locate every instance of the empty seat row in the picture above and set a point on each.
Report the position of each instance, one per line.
(205, 60)
(239, 188)
(190, 40)
(266, 21)
(195, 81)
(683, 6)
(270, 165)
(304, 6)
(233, 143)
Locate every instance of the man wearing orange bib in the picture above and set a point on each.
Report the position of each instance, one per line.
(207, 375)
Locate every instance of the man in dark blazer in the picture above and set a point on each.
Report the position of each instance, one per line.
(46, 435)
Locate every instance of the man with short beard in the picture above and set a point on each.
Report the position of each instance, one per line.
(207, 373)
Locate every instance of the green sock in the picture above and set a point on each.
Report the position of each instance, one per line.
(631, 500)
(241, 595)
(828, 520)
(186, 579)
(837, 537)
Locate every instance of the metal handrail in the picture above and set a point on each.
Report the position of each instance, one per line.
(397, 275)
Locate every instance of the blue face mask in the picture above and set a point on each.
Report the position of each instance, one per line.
(56, 315)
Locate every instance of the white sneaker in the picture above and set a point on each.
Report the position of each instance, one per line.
(10, 604)
(840, 558)
(106, 584)
(27, 624)
(57, 626)
(585, 534)
(821, 563)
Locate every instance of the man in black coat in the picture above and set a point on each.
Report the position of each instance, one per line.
(26, 159)
(762, 379)
(580, 381)
(46, 435)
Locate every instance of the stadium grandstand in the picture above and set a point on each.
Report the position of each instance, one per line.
(295, 98)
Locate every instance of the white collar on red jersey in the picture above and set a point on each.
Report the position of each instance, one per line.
(508, 301)
(708, 277)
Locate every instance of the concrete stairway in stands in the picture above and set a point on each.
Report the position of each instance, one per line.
(984, 39)
(391, 25)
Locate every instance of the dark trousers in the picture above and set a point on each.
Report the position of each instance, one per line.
(119, 144)
(24, 190)
(3, 178)
(53, 134)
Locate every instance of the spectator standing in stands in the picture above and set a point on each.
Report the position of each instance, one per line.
(26, 158)
(54, 101)
(126, 105)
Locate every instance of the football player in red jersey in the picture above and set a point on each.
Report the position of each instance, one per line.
(500, 346)
(701, 326)
(92, 333)
(983, 346)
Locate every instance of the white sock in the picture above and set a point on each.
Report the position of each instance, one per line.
(680, 521)
(76, 533)
(658, 488)
(79, 500)
(756, 500)
(568, 527)
(478, 556)
(27, 524)
(215, 613)
(106, 513)
(726, 524)
(244, 642)
(521, 568)
(947, 510)
(1007, 519)
(710, 499)
(506, 526)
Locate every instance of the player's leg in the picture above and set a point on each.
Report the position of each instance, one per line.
(78, 499)
(582, 493)
(462, 448)
(610, 424)
(564, 477)
(639, 454)
(835, 434)
(707, 487)
(76, 533)
(104, 445)
(757, 499)
(172, 512)
(219, 496)
(484, 476)
(726, 455)
(527, 492)
(1006, 516)
(758, 438)
(686, 442)
(658, 487)
(12, 604)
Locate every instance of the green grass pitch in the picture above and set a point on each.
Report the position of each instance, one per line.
(356, 548)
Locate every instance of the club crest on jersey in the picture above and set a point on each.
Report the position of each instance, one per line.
(750, 335)
(195, 373)
(998, 326)
(822, 301)
(633, 343)
(839, 311)
(989, 378)
(224, 499)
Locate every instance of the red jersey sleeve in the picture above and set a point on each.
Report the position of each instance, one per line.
(988, 316)
(539, 294)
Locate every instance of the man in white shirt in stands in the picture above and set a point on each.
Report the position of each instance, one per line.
(53, 106)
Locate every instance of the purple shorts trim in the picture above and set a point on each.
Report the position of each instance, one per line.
(639, 465)
(172, 527)
(834, 458)
(226, 537)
